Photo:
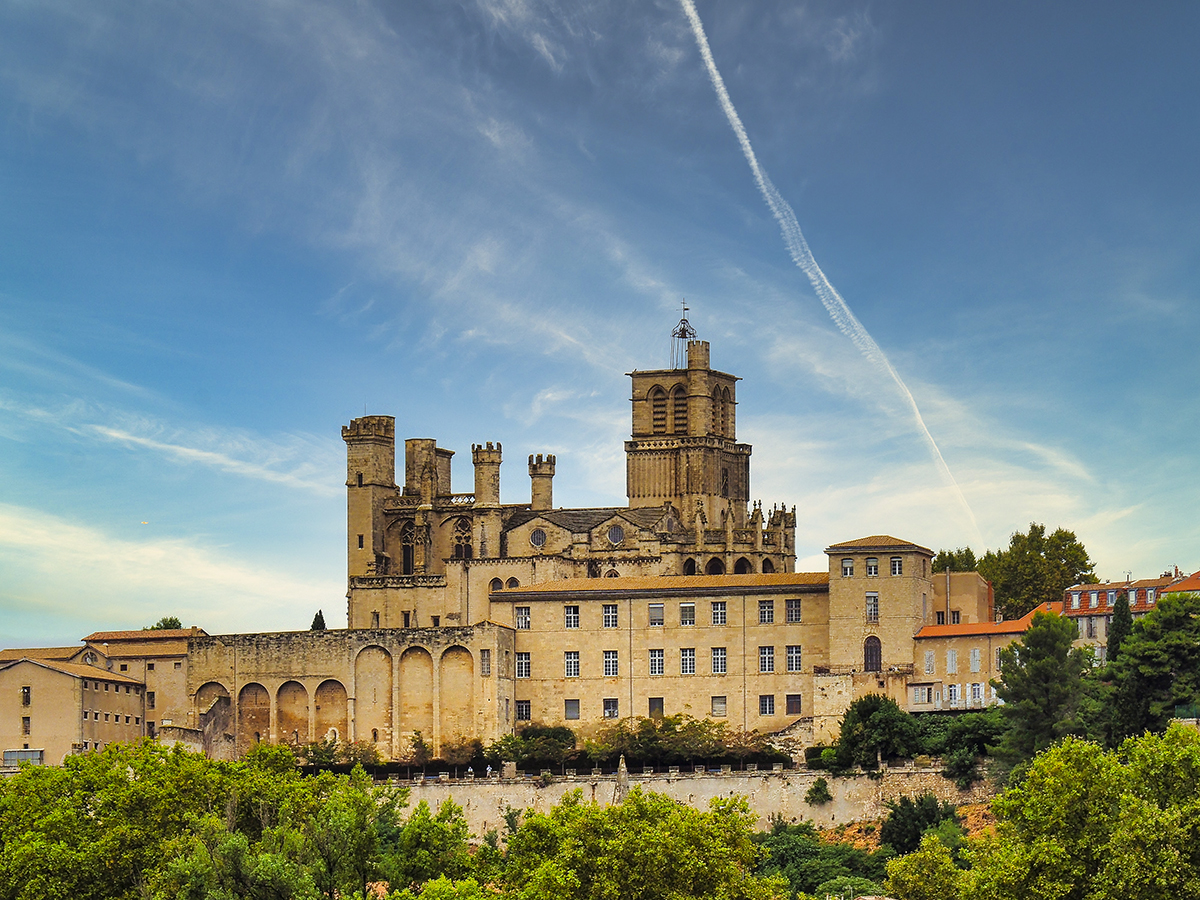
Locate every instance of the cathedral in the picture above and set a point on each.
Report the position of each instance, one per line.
(467, 617)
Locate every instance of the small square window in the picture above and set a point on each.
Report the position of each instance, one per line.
(610, 615)
(178, 666)
(656, 614)
(793, 704)
(766, 612)
(124, 667)
(718, 612)
(766, 704)
(612, 709)
(570, 709)
(521, 614)
(571, 616)
(524, 711)
(718, 707)
(149, 667)
(793, 610)
(523, 665)
(687, 613)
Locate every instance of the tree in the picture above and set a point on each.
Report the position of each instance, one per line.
(797, 853)
(875, 727)
(1120, 626)
(318, 622)
(1042, 686)
(929, 873)
(1158, 667)
(1035, 569)
(960, 560)
(909, 819)
(166, 623)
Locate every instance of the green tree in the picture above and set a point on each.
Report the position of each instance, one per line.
(874, 727)
(1036, 568)
(929, 873)
(1120, 627)
(1158, 667)
(960, 560)
(318, 622)
(1042, 688)
(428, 846)
(797, 853)
(164, 624)
(909, 819)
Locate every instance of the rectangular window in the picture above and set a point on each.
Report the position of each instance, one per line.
(570, 616)
(611, 667)
(941, 618)
(522, 616)
(930, 662)
(975, 659)
(872, 607)
(656, 708)
(952, 693)
(766, 659)
(656, 614)
(922, 695)
(793, 704)
(766, 704)
(523, 665)
(792, 610)
(718, 707)
(1149, 595)
(656, 662)
(27, 695)
(718, 612)
(687, 661)
(26, 727)
(997, 669)
(1111, 598)
(793, 658)
(524, 712)
(178, 666)
(610, 615)
(137, 720)
(766, 612)
(847, 568)
(570, 709)
(1095, 599)
(718, 660)
(571, 663)
(955, 617)
(977, 691)
(485, 662)
(1075, 600)
(149, 699)
(687, 613)
(951, 662)
(1091, 627)
(897, 565)
(149, 667)
(612, 709)
(872, 567)
(124, 667)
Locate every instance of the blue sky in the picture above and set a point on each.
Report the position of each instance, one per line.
(230, 227)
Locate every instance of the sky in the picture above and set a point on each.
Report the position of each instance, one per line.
(228, 228)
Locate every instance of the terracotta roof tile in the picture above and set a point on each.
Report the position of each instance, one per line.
(878, 542)
(1190, 584)
(80, 671)
(40, 653)
(149, 634)
(1008, 626)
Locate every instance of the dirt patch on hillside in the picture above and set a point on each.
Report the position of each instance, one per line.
(974, 818)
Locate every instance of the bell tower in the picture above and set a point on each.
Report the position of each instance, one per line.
(683, 448)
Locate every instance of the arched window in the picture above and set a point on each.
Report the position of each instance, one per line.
(742, 567)
(513, 583)
(689, 567)
(612, 573)
(714, 567)
(872, 655)
(768, 567)
(496, 584)
(374, 735)
(726, 413)
(658, 410)
(679, 419)
(716, 411)
(462, 539)
(407, 544)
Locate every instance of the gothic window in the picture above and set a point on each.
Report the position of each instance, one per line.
(658, 410)
(679, 410)
(742, 567)
(768, 567)
(689, 567)
(462, 539)
(496, 585)
(872, 655)
(513, 583)
(407, 544)
(724, 482)
(714, 567)
(727, 413)
(716, 411)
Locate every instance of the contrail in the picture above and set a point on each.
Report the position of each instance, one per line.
(797, 247)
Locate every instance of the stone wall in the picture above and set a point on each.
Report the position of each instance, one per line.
(856, 798)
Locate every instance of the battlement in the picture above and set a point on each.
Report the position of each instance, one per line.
(370, 428)
(489, 453)
(539, 465)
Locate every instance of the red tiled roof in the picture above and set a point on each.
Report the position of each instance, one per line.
(1008, 626)
(1191, 584)
(79, 671)
(878, 542)
(40, 653)
(149, 634)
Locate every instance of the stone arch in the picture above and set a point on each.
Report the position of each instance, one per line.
(416, 692)
(291, 712)
(513, 583)
(768, 567)
(742, 566)
(373, 694)
(715, 567)
(462, 539)
(208, 694)
(496, 585)
(658, 410)
(253, 714)
(333, 712)
(457, 690)
(612, 573)
(689, 566)
(872, 655)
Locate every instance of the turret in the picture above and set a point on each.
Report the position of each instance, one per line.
(487, 497)
(541, 478)
(370, 479)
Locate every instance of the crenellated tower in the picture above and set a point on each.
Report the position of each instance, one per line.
(370, 480)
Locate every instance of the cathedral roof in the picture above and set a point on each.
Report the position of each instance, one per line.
(878, 542)
(578, 521)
